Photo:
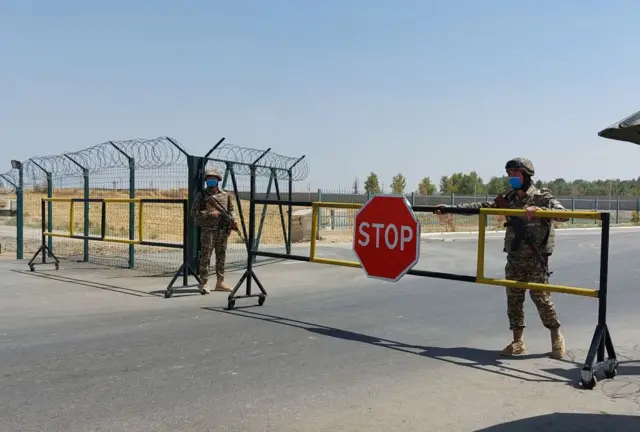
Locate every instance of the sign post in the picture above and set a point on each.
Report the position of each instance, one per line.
(386, 237)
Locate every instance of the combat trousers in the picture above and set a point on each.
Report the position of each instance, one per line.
(212, 240)
(525, 267)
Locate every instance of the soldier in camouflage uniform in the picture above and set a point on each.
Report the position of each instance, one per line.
(523, 264)
(214, 228)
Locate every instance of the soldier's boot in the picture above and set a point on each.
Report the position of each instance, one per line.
(204, 287)
(516, 347)
(557, 344)
(221, 286)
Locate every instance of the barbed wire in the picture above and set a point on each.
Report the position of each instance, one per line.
(147, 153)
(10, 179)
(271, 162)
(155, 153)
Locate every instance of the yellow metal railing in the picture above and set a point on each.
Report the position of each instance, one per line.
(103, 202)
(482, 228)
(482, 224)
(314, 233)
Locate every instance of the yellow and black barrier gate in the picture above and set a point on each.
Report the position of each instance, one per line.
(601, 341)
(185, 269)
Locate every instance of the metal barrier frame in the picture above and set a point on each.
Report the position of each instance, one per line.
(185, 268)
(601, 341)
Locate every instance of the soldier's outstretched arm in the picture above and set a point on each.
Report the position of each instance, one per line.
(551, 203)
(478, 204)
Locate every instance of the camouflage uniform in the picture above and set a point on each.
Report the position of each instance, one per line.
(524, 265)
(214, 230)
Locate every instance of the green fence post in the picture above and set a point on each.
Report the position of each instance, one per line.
(132, 212)
(85, 176)
(194, 164)
(20, 215)
(49, 211)
(597, 204)
(17, 165)
(49, 178)
(85, 252)
(290, 207)
(132, 206)
(573, 208)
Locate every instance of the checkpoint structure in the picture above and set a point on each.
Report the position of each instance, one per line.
(386, 239)
(379, 239)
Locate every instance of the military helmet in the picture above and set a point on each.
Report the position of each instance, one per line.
(522, 164)
(212, 172)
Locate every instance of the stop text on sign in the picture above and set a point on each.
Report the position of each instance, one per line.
(391, 236)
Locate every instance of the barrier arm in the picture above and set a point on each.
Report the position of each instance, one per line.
(601, 341)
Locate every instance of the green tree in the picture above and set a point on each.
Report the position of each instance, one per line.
(497, 185)
(447, 186)
(425, 187)
(372, 184)
(398, 184)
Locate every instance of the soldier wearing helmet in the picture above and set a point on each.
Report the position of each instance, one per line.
(215, 229)
(523, 264)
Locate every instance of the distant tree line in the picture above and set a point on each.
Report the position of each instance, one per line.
(472, 184)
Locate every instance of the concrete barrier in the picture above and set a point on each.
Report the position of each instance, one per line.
(301, 226)
(8, 207)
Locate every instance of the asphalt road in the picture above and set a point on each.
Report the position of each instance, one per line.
(91, 349)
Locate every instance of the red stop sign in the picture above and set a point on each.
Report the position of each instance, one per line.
(386, 237)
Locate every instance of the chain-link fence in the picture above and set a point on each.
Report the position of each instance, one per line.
(155, 168)
(275, 176)
(8, 210)
(339, 222)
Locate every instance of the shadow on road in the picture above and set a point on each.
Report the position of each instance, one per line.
(485, 360)
(570, 422)
(92, 284)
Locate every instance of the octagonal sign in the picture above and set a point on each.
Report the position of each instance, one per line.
(386, 237)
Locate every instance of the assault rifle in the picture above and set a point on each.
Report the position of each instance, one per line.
(228, 218)
(522, 234)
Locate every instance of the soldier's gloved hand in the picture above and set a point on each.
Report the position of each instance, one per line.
(531, 211)
(215, 213)
(439, 207)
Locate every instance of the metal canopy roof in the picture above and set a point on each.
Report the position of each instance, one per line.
(625, 130)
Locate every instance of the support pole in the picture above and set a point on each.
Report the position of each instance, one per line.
(185, 269)
(279, 197)
(249, 275)
(193, 166)
(290, 207)
(43, 249)
(218, 144)
(49, 204)
(132, 207)
(85, 176)
(265, 208)
(601, 343)
(20, 215)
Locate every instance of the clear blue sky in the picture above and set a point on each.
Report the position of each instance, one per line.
(425, 88)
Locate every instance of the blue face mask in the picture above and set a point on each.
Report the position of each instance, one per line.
(515, 182)
(212, 183)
